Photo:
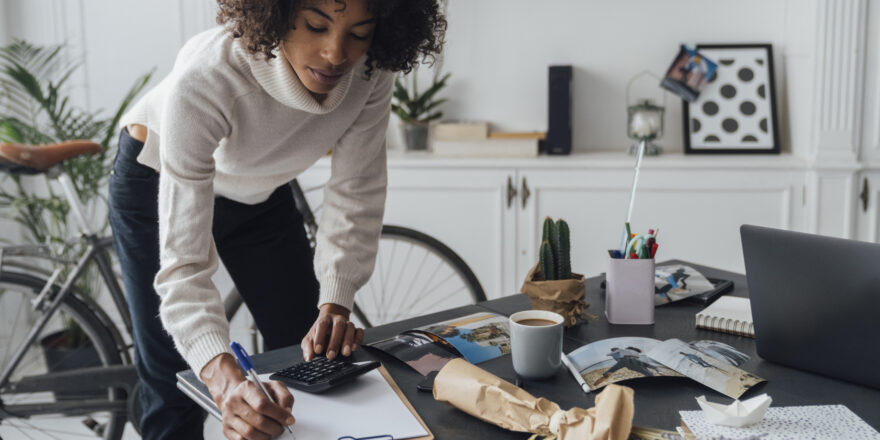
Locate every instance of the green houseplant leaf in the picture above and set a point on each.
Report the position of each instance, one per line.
(412, 107)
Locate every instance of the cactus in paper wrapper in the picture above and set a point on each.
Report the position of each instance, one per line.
(551, 284)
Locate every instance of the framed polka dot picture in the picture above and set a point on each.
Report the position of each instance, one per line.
(736, 111)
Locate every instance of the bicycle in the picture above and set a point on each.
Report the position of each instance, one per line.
(90, 389)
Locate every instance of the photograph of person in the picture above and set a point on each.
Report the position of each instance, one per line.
(721, 351)
(720, 375)
(689, 73)
(676, 282)
(613, 360)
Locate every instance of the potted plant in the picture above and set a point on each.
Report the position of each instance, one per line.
(551, 284)
(34, 109)
(416, 110)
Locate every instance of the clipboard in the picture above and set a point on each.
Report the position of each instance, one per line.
(198, 392)
(403, 398)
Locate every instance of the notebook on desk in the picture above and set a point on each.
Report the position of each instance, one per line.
(370, 406)
(729, 314)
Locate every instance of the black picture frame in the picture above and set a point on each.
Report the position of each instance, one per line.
(730, 78)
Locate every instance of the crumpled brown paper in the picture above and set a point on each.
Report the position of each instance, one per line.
(487, 397)
(565, 297)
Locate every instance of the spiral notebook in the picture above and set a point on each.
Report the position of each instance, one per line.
(730, 314)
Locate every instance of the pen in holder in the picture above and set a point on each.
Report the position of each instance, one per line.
(629, 291)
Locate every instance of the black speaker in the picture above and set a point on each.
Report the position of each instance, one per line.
(559, 111)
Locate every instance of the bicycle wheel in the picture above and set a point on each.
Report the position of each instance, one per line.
(415, 274)
(31, 405)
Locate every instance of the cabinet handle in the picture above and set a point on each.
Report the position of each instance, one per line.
(511, 191)
(864, 195)
(525, 193)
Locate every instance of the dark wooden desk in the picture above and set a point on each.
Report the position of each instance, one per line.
(657, 400)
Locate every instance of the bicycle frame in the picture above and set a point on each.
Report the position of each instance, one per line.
(47, 302)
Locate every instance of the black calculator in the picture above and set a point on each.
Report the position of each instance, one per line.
(321, 374)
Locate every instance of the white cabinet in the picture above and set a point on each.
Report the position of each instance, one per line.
(490, 211)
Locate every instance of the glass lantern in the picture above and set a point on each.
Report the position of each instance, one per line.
(645, 123)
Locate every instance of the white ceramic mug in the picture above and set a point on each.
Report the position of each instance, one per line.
(536, 349)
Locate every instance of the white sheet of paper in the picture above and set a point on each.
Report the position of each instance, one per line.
(366, 407)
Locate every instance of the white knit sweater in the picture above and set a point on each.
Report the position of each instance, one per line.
(225, 122)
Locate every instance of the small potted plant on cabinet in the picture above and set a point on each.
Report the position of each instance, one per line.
(417, 110)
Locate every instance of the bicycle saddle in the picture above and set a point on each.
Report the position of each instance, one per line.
(39, 158)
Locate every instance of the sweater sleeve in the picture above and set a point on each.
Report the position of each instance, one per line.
(191, 309)
(354, 201)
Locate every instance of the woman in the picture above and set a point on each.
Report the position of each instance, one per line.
(201, 176)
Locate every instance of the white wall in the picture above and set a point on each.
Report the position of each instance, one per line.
(116, 40)
(3, 31)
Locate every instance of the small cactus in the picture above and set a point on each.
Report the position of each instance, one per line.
(546, 260)
(562, 251)
(555, 252)
(548, 228)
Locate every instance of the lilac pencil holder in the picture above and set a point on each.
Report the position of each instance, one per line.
(629, 291)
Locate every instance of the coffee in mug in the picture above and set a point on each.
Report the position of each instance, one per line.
(535, 322)
(536, 343)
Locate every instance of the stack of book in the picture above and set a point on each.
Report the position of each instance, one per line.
(473, 139)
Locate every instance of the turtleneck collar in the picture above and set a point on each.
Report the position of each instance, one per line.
(277, 77)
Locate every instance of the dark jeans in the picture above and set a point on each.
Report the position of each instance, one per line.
(263, 247)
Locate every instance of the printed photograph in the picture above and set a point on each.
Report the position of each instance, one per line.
(418, 351)
(689, 74)
(613, 360)
(708, 370)
(478, 337)
(676, 282)
(721, 351)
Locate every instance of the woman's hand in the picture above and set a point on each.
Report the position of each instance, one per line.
(247, 412)
(333, 332)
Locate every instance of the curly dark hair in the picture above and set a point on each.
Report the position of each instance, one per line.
(407, 31)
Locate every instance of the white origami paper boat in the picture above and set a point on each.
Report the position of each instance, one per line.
(736, 414)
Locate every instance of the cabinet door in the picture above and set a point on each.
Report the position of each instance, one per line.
(465, 208)
(698, 212)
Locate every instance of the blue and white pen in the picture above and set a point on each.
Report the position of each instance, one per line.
(245, 361)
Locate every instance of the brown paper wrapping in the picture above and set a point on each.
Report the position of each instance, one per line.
(487, 397)
(565, 297)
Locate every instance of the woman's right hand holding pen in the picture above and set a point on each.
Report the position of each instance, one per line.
(247, 412)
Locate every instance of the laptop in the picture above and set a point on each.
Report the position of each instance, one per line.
(815, 302)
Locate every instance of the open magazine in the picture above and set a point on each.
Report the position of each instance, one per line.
(709, 362)
(477, 338)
